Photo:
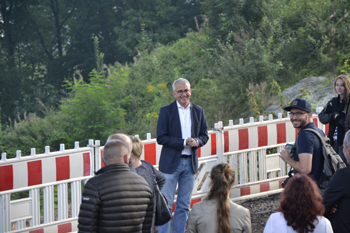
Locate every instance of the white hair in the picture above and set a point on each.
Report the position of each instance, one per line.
(347, 139)
(181, 80)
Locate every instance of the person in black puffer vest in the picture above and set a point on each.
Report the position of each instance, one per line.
(116, 199)
(335, 113)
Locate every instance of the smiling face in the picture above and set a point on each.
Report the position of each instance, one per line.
(340, 88)
(299, 118)
(182, 94)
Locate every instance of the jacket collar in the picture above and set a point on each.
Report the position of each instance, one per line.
(115, 167)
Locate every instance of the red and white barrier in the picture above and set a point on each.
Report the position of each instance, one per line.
(60, 228)
(239, 193)
(37, 170)
(49, 173)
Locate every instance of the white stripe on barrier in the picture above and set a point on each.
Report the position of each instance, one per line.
(49, 169)
(253, 137)
(20, 174)
(76, 165)
(271, 134)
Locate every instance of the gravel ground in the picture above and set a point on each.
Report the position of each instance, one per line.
(260, 210)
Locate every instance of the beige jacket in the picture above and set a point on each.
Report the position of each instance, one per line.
(203, 218)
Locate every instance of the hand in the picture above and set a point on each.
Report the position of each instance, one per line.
(192, 142)
(285, 155)
(334, 209)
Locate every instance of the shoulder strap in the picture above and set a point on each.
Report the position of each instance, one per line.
(315, 132)
(323, 140)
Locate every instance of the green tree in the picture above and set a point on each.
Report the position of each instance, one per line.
(227, 16)
(97, 108)
(163, 21)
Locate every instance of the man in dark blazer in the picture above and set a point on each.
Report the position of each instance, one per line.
(336, 197)
(181, 129)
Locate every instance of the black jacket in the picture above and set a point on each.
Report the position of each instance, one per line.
(326, 116)
(338, 193)
(116, 200)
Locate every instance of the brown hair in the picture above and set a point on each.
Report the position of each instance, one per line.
(137, 146)
(301, 203)
(346, 82)
(222, 178)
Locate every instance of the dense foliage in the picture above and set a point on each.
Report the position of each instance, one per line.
(75, 70)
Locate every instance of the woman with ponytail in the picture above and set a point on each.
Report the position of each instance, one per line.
(217, 213)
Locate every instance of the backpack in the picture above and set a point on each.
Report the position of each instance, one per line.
(332, 161)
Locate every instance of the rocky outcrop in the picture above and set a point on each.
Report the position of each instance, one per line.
(321, 89)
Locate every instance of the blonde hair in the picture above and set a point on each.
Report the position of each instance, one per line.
(137, 146)
(346, 82)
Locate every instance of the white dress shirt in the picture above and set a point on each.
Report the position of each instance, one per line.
(185, 121)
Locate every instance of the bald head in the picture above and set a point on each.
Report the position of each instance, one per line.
(122, 137)
(115, 151)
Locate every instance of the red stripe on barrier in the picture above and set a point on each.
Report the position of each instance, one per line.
(87, 164)
(243, 139)
(213, 143)
(226, 142)
(199, 152)
(194, 201)
(35, 175)
(327, 129)
(281, 133)
(62, 168)
(265, 187)
(262, 135)
(150, 153)
(6, 178)
(64, 228)
(245, 191)
(315, 121)
(102, 164)
(279, 183)
(37, 231)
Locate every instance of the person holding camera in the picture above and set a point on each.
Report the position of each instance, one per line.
(307, 158)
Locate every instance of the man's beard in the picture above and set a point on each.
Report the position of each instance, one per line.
(302, 123)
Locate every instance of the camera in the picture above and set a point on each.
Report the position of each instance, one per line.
(290, 175)
(290, 148)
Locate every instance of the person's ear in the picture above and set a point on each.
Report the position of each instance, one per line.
(126, 159)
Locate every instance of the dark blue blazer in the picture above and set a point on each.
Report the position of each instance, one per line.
(170, 136)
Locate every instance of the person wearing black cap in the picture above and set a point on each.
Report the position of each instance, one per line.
(307, 158)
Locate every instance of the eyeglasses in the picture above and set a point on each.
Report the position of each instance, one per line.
(297, 114)
(180, 92)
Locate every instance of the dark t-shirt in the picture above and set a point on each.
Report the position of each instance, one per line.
(309, 143)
